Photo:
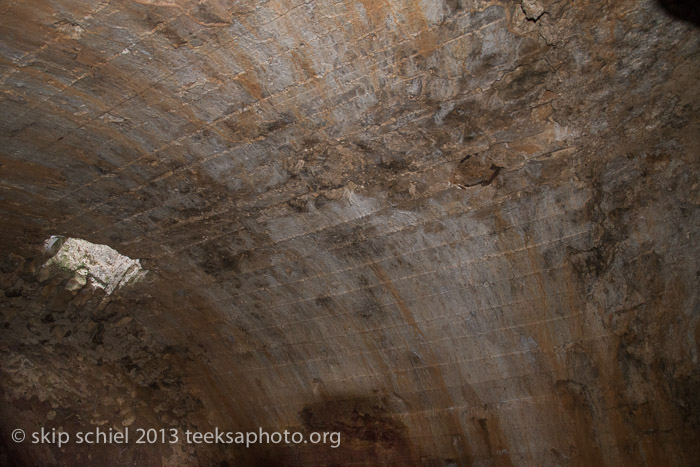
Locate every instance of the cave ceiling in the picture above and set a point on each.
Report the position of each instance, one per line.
(459, 232)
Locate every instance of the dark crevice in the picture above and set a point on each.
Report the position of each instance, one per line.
(534, 19)
(472, 172)
(496, 169)
(685, 10)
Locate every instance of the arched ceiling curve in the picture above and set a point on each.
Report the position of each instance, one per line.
(446, 206)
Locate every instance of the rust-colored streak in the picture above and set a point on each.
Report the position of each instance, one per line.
(389, 285)
(250, 85)
(28, 172)
(434, 367)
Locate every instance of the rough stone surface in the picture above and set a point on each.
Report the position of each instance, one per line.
(460, 232)
(99, 264)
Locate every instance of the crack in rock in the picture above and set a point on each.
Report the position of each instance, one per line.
(474, 170)
(533, 9)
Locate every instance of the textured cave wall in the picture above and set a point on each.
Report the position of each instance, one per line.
(460, 232)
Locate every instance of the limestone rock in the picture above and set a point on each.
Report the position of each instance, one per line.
(456, 232)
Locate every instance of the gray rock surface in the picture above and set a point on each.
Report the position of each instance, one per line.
(460, 232)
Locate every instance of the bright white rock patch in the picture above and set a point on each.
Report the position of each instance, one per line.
(100, 265)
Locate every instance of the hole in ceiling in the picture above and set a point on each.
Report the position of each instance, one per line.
(99, 265)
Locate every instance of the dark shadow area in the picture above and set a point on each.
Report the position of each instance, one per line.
(685, 10)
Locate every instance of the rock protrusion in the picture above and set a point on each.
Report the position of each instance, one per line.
(474, 170)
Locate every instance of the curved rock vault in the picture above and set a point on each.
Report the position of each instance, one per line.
(457, 232)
